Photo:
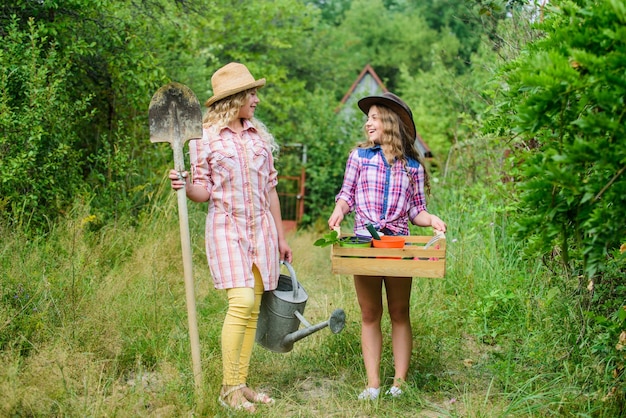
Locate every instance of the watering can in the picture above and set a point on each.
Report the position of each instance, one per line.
(282, 313)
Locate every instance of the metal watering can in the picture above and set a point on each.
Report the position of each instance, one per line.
(282, 313)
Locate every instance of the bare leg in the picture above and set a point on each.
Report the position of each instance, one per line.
(369, 295)
(398, 301)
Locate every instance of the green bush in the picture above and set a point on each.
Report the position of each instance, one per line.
(563, 112)
(565, 106)
(41, 165)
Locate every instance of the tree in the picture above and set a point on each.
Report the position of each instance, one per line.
(92, 60)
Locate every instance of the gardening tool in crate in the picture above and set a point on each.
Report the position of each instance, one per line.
(282, 313)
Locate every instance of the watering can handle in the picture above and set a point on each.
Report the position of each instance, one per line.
(292, 273)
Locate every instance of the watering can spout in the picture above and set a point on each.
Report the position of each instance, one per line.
(336, 323)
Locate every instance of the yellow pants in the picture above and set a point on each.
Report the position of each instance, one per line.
(239, 330)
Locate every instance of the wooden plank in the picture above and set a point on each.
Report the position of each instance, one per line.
(405, 252)
(389, 267)
(411, 261)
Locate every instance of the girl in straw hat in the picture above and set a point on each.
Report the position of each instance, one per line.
(232, 169)
(384, 185)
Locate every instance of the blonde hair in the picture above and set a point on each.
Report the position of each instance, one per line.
(397, 140)
(226, 110)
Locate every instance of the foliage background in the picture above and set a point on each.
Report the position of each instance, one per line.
(101, 62)
(522, 103)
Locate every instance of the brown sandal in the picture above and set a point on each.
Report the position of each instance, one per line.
(256, 397)
(242, 405)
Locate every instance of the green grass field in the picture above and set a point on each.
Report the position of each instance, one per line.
(94, 325)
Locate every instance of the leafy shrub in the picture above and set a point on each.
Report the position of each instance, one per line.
(563, 112)
(40, 165)
(565, 107)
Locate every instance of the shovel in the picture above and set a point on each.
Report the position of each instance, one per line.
(175, 117)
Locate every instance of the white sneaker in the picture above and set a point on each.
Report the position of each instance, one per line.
(394, 391)
(369, 394)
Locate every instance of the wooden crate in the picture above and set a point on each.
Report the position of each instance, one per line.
(414, 260)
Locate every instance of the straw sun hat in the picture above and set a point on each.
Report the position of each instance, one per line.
(230, 79)
(393, 102)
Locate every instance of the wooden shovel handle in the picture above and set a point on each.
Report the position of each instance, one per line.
(185, 242)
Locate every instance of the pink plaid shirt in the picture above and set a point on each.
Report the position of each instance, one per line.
(239, 173)
(382, 194)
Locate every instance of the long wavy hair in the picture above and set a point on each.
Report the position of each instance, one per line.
(224, 111)
(396, 141)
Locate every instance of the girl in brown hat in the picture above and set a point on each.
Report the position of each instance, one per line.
(232, 169)
(384, 185)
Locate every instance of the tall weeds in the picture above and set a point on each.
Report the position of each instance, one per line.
(93, 323)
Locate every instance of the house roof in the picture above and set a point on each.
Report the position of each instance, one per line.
(369, 84)
(367, 71)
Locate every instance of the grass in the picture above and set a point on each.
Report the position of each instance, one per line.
(94, 324)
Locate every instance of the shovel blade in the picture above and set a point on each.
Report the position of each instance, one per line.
(174, 114)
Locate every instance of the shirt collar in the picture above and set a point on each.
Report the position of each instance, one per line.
(247, 125)
(379, 149)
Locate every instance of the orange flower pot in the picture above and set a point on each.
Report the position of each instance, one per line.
(389, 241)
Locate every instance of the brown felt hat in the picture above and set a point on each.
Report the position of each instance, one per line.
(394, 103)
(231, 79)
